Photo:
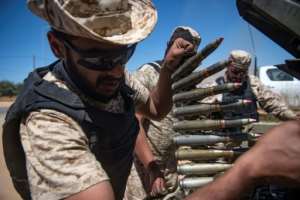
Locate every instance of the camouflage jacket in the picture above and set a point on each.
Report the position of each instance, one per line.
(159, 133)
(58, 158)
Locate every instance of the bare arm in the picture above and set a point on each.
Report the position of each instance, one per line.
(100, 191)
(160, 102)
(142, 149)
(274, 159)
(230, 186)
(144, 153)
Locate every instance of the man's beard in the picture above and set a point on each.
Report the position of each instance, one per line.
(98, 96)
(234, 79)
(85, 89)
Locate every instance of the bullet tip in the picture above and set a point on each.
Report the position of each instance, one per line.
(237, 84)
(247, 101)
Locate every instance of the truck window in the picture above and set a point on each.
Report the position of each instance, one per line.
(278, 75)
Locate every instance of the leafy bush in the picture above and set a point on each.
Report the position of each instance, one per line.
(8, 88)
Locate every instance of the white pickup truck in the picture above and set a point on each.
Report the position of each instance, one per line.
(282, 83)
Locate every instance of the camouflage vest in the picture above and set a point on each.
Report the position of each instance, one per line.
(112, 145)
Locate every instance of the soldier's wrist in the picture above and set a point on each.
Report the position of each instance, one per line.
(154, 167)
(167, 67)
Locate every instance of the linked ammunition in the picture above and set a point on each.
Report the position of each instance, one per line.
(204, 155)
(195, 182)
(203, 168)
(196, 77)
(208, 108)
(201, 93)
(192, 63)
(205, 125)
(196, 140)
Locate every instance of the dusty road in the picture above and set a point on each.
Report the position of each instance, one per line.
(7, 191)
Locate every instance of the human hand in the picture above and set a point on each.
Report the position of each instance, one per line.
(157, 186)
(275, 157)
(179, 50)
(157, 182)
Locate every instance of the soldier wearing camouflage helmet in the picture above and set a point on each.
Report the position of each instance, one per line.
(71, 132)
(154, 172)
(251, 89)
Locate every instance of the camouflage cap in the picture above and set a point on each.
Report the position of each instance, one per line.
(113, 21)
(240, 59)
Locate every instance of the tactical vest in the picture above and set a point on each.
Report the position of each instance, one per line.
(245, 92)
(111, 135)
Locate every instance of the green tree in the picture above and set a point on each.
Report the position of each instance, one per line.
(8, 88)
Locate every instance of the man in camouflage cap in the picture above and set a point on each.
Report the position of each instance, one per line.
(143, 182)
(71, 132)
(251, 89)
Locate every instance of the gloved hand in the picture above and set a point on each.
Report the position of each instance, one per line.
(157, 182)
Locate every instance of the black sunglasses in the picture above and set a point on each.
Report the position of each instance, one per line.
(99, 59)
(96, 59)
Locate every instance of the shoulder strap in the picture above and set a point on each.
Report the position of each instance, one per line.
(156, 65)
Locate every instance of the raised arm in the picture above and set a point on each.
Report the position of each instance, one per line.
(160, 101)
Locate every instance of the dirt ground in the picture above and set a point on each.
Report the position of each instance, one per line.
(7, 191)
(5, 104)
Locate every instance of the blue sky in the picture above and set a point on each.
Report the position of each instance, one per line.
(23, 35)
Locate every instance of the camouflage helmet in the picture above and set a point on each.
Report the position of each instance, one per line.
(240, 59)
(112, 21)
